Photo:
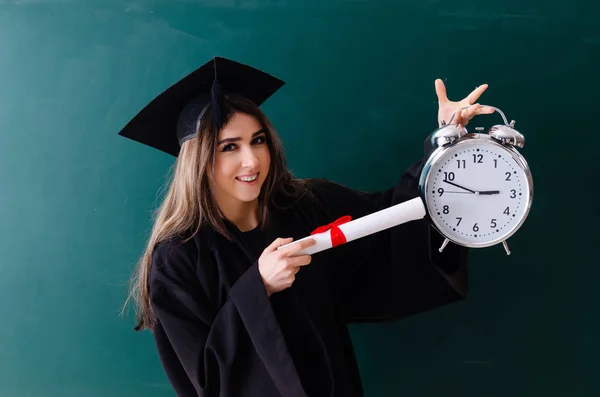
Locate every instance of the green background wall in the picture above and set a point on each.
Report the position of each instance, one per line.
(75, 198)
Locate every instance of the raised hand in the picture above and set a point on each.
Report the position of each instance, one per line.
(463, 110)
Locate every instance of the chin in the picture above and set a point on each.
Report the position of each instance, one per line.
(248, 198)
(247, 194)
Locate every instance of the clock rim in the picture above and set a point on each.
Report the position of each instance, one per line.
(471, 139)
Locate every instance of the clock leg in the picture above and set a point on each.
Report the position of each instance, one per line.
(506, 247)
(444, 244)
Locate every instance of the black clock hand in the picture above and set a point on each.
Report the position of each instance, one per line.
(490, 192)
(462, 187)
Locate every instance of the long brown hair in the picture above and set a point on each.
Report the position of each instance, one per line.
(189, 202)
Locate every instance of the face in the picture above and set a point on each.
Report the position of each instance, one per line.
(242, 161)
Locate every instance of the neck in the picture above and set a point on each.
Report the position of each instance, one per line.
(243, 215)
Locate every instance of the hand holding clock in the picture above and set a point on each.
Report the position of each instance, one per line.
(460, 112)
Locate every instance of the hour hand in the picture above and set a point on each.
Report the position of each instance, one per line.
(489, 192)
(462, 187)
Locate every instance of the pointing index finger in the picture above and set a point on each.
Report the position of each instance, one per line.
(298, 246)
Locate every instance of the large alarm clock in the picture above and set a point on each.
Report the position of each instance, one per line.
(477, 187)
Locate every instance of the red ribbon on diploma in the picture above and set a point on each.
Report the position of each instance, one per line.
(337, 236)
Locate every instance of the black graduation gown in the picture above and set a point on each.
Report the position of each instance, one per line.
(219, 334)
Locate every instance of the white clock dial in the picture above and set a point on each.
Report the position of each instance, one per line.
(477, 193)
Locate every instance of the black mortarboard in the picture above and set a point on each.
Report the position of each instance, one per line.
(173, 116)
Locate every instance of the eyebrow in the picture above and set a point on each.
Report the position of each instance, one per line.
(229, 140)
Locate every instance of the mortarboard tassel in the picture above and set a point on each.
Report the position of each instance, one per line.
(219, 112)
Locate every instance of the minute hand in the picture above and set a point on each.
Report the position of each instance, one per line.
(462, 187)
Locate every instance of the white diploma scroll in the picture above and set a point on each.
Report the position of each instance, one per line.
(393, 216)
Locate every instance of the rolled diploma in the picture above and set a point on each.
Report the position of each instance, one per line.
(395, 215)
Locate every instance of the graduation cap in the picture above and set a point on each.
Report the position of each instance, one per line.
(174, 116)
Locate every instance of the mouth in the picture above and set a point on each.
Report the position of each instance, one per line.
(251, 179)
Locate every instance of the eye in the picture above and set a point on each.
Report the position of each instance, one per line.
(229, 147)
(260, 140)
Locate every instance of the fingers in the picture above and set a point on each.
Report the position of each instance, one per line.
(470, 112)
(459, 117)
(476, 93)
(467, 114)
(278, 242)
(298, 261)
(478, 109)
(463, 116)
(486, 110)
(440, 90)
(301, 245)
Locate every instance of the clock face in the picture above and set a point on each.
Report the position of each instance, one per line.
(477, 193)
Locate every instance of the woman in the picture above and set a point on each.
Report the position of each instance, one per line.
(230, 313)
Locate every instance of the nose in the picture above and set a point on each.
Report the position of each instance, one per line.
(249, 159)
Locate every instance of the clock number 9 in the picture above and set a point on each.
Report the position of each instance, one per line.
(441, 192)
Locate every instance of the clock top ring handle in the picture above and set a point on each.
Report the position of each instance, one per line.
(506, 134)
(512, 123)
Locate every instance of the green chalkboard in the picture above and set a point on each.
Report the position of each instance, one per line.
(76, 199)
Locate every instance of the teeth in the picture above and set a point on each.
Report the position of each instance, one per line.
(248, 178)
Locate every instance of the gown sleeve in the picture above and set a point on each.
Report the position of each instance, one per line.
(396, 272)
(206, 350)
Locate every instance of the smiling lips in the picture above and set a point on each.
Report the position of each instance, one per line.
(248, 179)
